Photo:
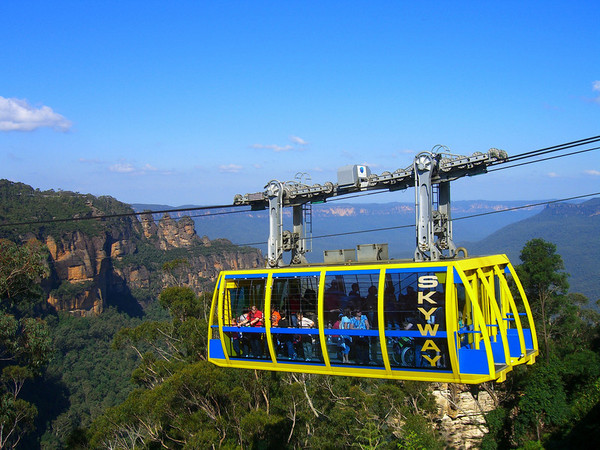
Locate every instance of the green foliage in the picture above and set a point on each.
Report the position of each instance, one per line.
(21, 203)
(548, 405)
(16, 419)
(417, 434)
(67, 290)
(185, 402)
(544, 401)
(545, 285)
(24, 341)
(87, 374)
(21, 269)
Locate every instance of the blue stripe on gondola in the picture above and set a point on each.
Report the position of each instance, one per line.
(296, 274)
(414, 334)
(336, 332)
(244, 276)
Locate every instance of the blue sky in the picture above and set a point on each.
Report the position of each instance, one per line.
(191, 102)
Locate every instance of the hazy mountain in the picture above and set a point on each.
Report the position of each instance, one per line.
(395, 219)
(573, 228)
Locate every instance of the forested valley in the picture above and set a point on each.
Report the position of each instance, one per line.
(114, 381)
(139, 377)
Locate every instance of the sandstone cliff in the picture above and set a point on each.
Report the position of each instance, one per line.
(122, 266)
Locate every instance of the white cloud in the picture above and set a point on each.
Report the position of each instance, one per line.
(298, 146)
(595, 173)
(275, 148)
(553, 175)
(19, 115)
(230, 168)
(122, 168)
(298, 140)
(129, 168)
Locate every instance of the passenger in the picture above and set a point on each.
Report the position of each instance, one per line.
(345, 340)
(242, 318)
(287, 339)
(370, 310)
(306, 339)
(371, 306)
(294, 307)
(331, 301)
(310, 301)
(236, 339)
(275, 317)
(255, 319)
(360, 322)
(355, 300)
(391, 307)
(244, 341)
(408, 304)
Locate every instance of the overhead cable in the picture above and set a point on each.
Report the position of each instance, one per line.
(543, 159)
(112, 216)
(454, 219)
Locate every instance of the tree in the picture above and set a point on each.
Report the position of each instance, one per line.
(24, 341)
(545, 284)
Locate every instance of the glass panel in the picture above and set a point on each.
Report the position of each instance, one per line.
(243, 318)
(464, 315)
(214, 319)
(294, 314)
(414, 312)
(350, 303)
(509, 313)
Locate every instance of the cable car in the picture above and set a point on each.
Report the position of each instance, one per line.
(446, 321)
(438, 317)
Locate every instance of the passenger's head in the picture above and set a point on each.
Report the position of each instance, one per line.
(253, 308)
(355, 287)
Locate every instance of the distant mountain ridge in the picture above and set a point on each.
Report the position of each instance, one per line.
(574, 228)
(251, 227)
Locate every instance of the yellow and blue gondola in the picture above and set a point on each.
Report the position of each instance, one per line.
(457, 320)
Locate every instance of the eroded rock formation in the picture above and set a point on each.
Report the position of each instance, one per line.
(90, 273)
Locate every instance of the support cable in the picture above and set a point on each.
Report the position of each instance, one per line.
(531, 205)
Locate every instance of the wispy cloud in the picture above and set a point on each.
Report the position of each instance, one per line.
(298, 140)
(553, 175)
(230, 168)
(122, 168)
(275, 148)
(594, 173)
(299, 145)
(19, 115)
(125, 167)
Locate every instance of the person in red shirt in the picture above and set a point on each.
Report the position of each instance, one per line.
(255, 319)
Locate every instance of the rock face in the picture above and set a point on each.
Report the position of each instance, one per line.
(461, 415)
(177, 234)
(90, 273)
